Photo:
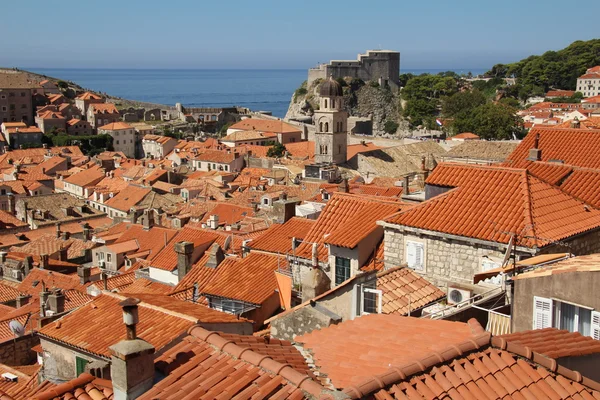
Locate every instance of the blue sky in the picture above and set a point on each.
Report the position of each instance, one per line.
(282, 33)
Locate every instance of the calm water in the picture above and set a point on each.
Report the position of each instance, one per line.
(269, 90)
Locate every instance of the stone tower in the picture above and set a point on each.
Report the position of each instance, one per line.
(332, 122)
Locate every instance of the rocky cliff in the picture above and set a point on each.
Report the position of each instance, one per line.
(361, 99)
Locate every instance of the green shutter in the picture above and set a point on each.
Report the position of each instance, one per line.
(80, 364)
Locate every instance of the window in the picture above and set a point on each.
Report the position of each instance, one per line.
(4, 109)
(342, 269)
(371, 301)
(80, 364)
(325, 103)
(117, 142)
(542, 313)
(549, 313)
(414, 255)
(22, 94)
(108, 257)
(326, 126)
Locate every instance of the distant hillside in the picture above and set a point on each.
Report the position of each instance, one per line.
(552, 70)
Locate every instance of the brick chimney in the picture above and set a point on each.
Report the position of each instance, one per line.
(406, 186)
(148, 219)
(27, 265)
(132, 360)
(43, 300)
(63, 254)
(56, 302)
(184, 252)
(215, 256)
(22, 299)
(84, 274)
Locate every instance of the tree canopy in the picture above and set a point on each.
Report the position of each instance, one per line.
(276, 151)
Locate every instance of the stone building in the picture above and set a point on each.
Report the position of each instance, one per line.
(83, 101)
(102, 114)
(123, 135)
(382, 66)
(16, 92)
(474, 215)
(588, 84)
(78, 127)
(157, 146)
(50, 121)
(331, 139)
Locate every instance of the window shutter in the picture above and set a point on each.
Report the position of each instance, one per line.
(414, 255)
(595, 331)
(542, 313)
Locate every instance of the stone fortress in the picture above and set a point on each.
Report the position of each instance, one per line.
(380, 65)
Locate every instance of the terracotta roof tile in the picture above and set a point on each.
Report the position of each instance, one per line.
(87, 177)
(555, 343)
(128, 198)
(345, 221)
(571, 146)
(264, 125)
(166, 259)
(584, 184)
(476, 370)
(347, 353)
(88, 96)
(201, 275)
(587, 263)
(228, 366)
(158, 325)
(404, 291)
(106, 108)
(229, 213)
(354, 149)
(9, 221)
(278, 238)
(154, 239)
(143, 285)
(83, 387)
(497, 201)
(32, 283)
(252, 279)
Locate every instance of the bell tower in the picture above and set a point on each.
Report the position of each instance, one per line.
(331, 121)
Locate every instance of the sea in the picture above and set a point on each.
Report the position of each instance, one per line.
(257, 89)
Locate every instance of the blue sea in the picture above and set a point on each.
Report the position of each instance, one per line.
(257, 89)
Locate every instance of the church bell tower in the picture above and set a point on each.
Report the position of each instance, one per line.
(331, 138)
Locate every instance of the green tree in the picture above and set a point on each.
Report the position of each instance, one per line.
(461, 102)
(494, 121)
(390, 126)
(62, 85)
(276, 151)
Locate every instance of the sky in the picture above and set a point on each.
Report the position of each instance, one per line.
(262, 34)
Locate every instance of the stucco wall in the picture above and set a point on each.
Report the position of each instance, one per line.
(578, 288)
(59, 362)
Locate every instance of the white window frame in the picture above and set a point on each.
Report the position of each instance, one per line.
(595, 325)
(418, 246)
(557, 314)
(362, 299)
(538, 312)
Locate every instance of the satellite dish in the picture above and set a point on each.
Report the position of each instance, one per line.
(16, 328)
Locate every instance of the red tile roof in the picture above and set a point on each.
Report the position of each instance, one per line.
(167, 258)
(476, 370)
(202, 275)
(154, 239)
(216, 156)
(143, 285)
(88, 96)
(403, 291)
(347, 353)
(116, 126)
(251, 280)
(83, 387)
(229, 213)
(9, 221)
(264, 125)
(584, 184)
(587, 263)
(303, 150)
(278, 238)
(555, 343)
(215, 368)
(105, 108)
(574, 147)
(489, 203)
(345, 221)
(354, 149)
(158, 325)
(128, 198)
(8, 293)
(87, 177)
(51, 280)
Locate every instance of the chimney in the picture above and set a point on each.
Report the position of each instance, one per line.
(28, 264)
(314, 283)
(3, 257)
(405, 186)
(213, 221)
(84, 274)
(148, 220)
(294, 244)
(65, 235)
(56, 302)
(44, 261)
(22, 299)
(535, 153)
(132, 360)
(43, 300)
(575, 124)
(315, 255)
(184, 252)
(63, 254)
(215, 256)
(423, 163)
(343, 186)
(104, 281)
(58, 230)
(87, 232)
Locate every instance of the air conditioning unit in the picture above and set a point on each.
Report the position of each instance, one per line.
(458, 295)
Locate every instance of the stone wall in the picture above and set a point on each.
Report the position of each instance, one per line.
(445, 261)
(18, 351)
(60, 362)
